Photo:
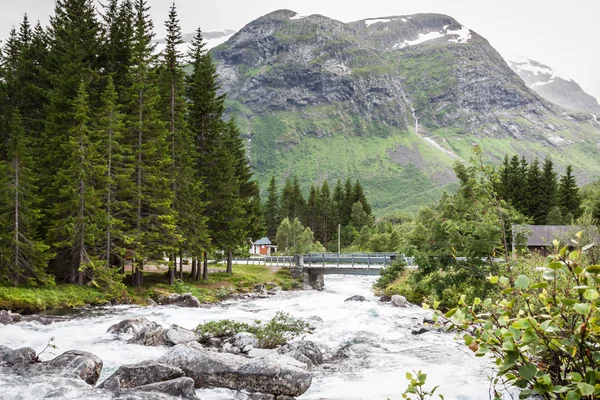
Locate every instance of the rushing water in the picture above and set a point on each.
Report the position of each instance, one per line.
(375, 338)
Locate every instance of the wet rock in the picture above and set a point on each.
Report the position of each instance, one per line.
(6, 317)
(182, 388)
(180, 300)
(18, 357)
(385, 299)
(356, 298)
(151, 335)
(399, 301)
(177, 335)
(73, 363)
(150, 302)
(229, 348)
(243, 339)
(274, 374)
(259, 287)
(420, 330)
(144, 373)
(304, 351)
(129, 326)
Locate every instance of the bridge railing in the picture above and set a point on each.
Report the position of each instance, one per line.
(354, 259)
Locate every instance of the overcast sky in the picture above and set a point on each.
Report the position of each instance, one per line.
(562, 34)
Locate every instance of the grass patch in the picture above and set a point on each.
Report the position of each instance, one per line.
(35, 299)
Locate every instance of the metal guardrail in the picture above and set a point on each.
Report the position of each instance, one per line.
(328, 259)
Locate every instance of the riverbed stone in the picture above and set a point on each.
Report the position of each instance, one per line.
(180, 300)
(304, 351)
(356, 298)
(274, 374)
(177, 335)
(399, 301)
(151, 335)
(129, 326)
(143, 373)
(17, 357)
(73, 363)
(243, 339)
(181, 388)
(6, 317)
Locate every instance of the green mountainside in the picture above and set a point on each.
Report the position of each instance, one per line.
(391, 101)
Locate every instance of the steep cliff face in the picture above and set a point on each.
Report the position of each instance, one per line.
(551, 86)
(393, 101)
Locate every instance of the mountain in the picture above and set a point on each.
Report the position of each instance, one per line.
(552, 87)
(393, 101)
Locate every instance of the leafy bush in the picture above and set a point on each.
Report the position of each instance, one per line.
(416, 387)
(281, 329)
(390, 274)
(544, 331)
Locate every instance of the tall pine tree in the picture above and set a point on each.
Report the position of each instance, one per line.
(272, 216)
(569, 199)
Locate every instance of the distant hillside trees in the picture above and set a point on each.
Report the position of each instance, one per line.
(538, 193)
(322, 212)
(110, 154)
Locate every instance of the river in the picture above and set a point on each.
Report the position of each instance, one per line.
(375, 337)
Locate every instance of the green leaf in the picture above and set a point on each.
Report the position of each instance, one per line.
(591, 294)
(585, 388)
(522, 282)
(540, 285)
(568, 302)
(530, 336)
(504, 280)
(450, 313)
(574, 255)
(554, 265)
(593, 269)
(527, 371)
(549, 275)
(582, 308)
(493, 279)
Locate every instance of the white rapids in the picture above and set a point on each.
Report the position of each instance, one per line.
(376, 338)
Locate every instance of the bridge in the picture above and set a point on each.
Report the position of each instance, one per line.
(314, 266)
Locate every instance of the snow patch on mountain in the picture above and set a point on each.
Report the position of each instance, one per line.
(463, 35)
(423, 37)
(370, 22)
(295, 17)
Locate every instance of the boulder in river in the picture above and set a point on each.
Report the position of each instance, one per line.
(181, 388)
(129, 326)
(73, 363)
(355, 298)
(274, 374)
(17, 357)
(143, 373)
(180, 300)
(151, 335)
(304, 351)
(177, 335)
(399, 301)
(6, 317)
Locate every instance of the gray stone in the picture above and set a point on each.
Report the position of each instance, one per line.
(129, 326)
(356, 298)
(385, 299)
(259, 353)
(17, 357)
(180, 300)
(73, 363)
(150, 302)
(181, 388)
(420, 330)
(399, 301)
(6, 317)
(144, 373)
(177, 335)
(274, 374)
(243, 339)
(151, 335)
(304, 351)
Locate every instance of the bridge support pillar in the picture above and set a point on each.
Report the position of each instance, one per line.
(314, 280)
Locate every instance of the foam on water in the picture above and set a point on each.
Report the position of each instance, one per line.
(376, 340)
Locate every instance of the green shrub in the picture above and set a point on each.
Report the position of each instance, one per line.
(544, 330)
(390, 274)
(281, 329)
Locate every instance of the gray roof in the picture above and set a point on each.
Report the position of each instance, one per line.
(544, 235)
(264, 240)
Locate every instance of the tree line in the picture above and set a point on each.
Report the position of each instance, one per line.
(322, 211)
(108, 150)
(538, 193)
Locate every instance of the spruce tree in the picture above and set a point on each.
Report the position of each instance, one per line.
(286, 205)
(118, 188)
(325, 213)
(359, 196)
(596, 214)
(23, 256)
(118, 24)
(569, 199)
(548, 190)
(153, 217)
(535, 193)
(313, 211)
(272, 218)
(77, 213)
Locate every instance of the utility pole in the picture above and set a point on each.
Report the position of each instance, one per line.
(339, 237)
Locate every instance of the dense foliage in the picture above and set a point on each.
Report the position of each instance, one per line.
(323, 211)
(278, 331)
(132, 158)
